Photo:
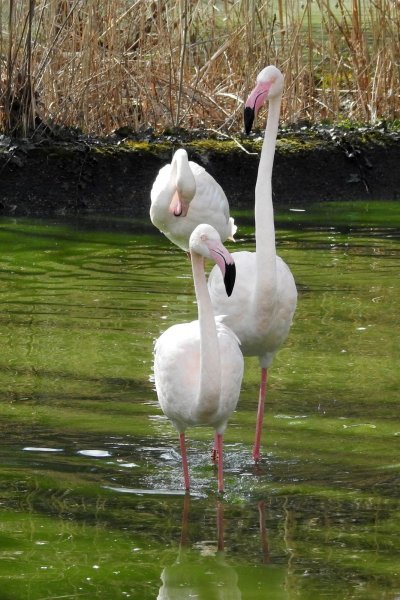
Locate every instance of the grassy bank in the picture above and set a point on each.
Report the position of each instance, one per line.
(100, 65)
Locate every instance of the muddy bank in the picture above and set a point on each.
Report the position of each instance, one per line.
(78, 176)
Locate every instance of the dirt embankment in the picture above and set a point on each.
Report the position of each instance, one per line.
(78, 175)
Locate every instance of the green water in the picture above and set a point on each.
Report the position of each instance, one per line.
(91, 504)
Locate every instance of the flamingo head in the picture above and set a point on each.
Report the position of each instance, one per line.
(269, 85)
(205, 241)
(183, 182)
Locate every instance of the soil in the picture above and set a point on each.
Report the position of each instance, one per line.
(72, 174)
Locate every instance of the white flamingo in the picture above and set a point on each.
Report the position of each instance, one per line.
(261, 307)
(198, 366)
(183, 196)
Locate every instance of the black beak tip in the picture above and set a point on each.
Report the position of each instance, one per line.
(248, 119)
(230, 277)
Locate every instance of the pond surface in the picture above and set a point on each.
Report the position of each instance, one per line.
(91, 502)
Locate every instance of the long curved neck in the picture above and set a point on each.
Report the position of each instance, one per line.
(210, 367)
(264, 212)
(183, 177)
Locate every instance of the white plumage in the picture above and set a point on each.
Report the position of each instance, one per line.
(261, 307)
(178, 379)
(261, 326)
(198, 366)
(183, 196)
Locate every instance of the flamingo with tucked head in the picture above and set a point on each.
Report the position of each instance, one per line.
(198, 366)
(261, 307)
(183, 196)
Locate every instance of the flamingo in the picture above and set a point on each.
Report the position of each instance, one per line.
(183, 196)
(261, 307)
(198, 366)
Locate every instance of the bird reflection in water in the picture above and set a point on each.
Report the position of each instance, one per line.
(207, 576)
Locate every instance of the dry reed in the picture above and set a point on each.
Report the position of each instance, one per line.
(99, 65)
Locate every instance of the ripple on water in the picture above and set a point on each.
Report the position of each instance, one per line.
(95, 453)
(145, 491)
(41, 449)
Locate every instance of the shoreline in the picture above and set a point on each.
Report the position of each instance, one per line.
(79, 175)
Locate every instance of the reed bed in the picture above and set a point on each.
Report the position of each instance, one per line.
(101, 65)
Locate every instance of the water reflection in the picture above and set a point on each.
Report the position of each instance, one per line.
(202, 569)
(90, 467)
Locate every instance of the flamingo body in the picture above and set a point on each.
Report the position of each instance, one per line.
(261, 333)
(177, 352)
(183, 196)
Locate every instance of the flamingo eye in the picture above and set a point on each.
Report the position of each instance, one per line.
(203, 237)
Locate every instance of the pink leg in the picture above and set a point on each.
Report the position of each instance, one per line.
(184, 461)
(220, 463)
(260, 415)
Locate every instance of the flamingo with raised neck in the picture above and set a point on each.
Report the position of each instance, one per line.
(261, 308)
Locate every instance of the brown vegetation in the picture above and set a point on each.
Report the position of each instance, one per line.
(100, 65)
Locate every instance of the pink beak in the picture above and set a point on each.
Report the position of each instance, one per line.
(178, 207)
(254, 102)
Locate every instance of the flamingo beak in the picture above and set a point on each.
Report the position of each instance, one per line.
(254, 102)
(227, 265)
(248, 119)
(229, 277)
(178, 207)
